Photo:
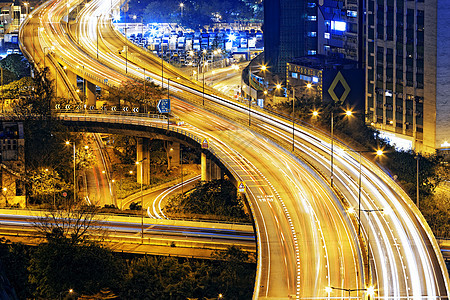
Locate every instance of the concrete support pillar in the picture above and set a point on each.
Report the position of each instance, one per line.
(91, 98)
(72, 78)
(143, 151)
(205, 174)
(173, 154)
(216, 172)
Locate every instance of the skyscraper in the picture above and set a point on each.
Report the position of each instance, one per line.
(408, 71)
(286, 27)
(294, 28)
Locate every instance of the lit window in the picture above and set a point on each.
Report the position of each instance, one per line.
(312, 18)
(351, 13)
(326, 35)
(315, 79)
(312, 52)
(311, 4)
(338, 25)
(294, 75)
(312, 33)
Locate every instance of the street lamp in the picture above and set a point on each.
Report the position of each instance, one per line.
(308, 86)
(261, 68)
(97, 34)
(417, 157)
(348, 113)
(26, 7)
(70, 291)
(74, 173)
(379, 152)
(142, 25)
(168, 97)
(181, 7)
(205, 63)
(142, 202)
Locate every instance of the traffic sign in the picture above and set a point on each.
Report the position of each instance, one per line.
(163, 106)
(241, 187)
(205, 144)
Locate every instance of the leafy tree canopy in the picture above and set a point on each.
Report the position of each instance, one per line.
(16, 64)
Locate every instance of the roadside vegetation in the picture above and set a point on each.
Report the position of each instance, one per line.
(214, 200)
(61, 269)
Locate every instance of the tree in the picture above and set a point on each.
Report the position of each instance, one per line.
(71, 225)
(217, 197)
(86, 268)
(84, 158)
(36, 99)
(152, 277)
(45, 184)
(16, 64)
(133, 93)
(15, 257)
(236, 273)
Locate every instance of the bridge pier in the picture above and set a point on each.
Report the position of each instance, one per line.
(143, 151)
(205, 175)
(91, 97)
(209, 170)
(72, 78)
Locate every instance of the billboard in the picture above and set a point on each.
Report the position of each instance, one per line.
(344, 87)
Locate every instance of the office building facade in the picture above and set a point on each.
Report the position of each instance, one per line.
(408, 72)
(287, 27)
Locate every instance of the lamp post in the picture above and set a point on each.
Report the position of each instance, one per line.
(74, 173)
(168, 97)
(70, 291)
(352, 210)
(203, 94)
(97, 33)
(181, 7)
(126, 47)
(417, 157)
(142, 25)
(262, 68)
(26, 7)
(379, 152)
(142, 202)
(348, 113)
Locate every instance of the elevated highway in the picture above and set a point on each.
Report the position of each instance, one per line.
(307, 238)
(124, 233)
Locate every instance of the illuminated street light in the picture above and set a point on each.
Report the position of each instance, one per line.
(315, 113)
(348, 113)
(168, 97)
(142, 202)
(352, 210)
(74, 173)
(181, 7)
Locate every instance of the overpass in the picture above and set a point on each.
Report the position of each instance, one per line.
(307, 238)
(126, 234)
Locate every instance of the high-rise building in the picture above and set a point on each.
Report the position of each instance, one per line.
(288, 28)
(294, 28)
(338, 29)
(408, 72)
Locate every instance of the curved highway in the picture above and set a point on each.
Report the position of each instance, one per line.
(306, 231)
